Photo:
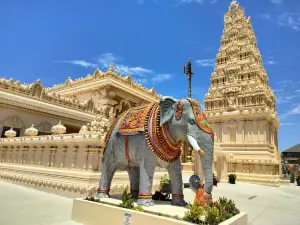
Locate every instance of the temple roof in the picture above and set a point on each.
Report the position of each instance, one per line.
(295, 148)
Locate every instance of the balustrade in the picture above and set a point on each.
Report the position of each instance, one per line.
(72, 151)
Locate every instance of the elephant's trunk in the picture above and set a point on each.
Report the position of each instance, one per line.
(206, 161)
(194, 144)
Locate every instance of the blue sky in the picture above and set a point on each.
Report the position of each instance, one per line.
(150, 39)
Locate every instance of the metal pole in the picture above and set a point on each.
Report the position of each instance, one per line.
(190, 85)
(189, 73)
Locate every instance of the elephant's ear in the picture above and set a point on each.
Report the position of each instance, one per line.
(167, 109)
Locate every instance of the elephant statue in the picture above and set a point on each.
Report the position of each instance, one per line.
(152, 135)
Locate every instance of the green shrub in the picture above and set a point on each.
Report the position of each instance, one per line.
(127, 201)
(213, 216)
(194, 214)
(165, 180)
(138, 208)
(215, 213)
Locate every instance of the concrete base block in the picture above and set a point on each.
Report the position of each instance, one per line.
(107, 212)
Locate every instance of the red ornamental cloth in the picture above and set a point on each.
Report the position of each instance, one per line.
(201, 119)
(133, 121)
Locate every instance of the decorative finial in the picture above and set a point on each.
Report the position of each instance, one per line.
(111, 68)
(234, 2)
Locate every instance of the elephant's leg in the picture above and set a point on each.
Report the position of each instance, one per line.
(107, 173)
(134, 177)
(174, 170)
(147, 167)
(207, 165)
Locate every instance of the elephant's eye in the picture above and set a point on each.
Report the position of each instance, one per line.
(192, 122)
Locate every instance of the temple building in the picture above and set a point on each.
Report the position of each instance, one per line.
(75, 103)
(54, 138)
(240, 103)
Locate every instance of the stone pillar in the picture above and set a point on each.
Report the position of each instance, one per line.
(63, 160)
(75, 150)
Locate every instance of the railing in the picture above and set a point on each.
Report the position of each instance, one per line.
(72, 151)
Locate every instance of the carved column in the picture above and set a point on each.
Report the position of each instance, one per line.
(24, 155)
(3, 150)
(251, 131)
(40, 162)
(75, 150)
(53, 158)
(33, 155)
(16, 160)
(64, 152)
(11, 155)
(100, 153)
(49, 157)
(86, 161)
(189, 157)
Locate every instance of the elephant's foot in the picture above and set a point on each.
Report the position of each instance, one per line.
(145, 200)
(178, 200)
(102, 193)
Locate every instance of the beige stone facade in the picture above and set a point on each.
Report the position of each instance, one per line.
(240, 104)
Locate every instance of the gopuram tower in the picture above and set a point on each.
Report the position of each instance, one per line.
(240, 105)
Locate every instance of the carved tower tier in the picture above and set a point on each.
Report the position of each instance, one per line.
(239, 104)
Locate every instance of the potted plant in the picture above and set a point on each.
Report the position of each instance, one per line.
(215, 180)
(298, 179)
(292, 178)
(231, 178)
(165, 184)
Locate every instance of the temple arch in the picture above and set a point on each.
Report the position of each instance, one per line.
(36, 89)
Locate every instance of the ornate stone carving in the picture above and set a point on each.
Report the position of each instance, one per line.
(12, 121)
(44, 127)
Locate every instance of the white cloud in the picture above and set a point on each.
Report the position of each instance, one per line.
(108, 58)
(265, 16)
(161, 77)
(270, 62)
(276, 1)
(143, 74)
(287, 19)
(294, 111)
(205, 62)
(285, 99)
(82, 63)
(285, 82)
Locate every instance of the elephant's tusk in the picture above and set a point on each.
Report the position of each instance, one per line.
(195, 145)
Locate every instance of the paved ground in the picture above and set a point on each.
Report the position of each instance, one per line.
(25, 206)
(264, 205)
